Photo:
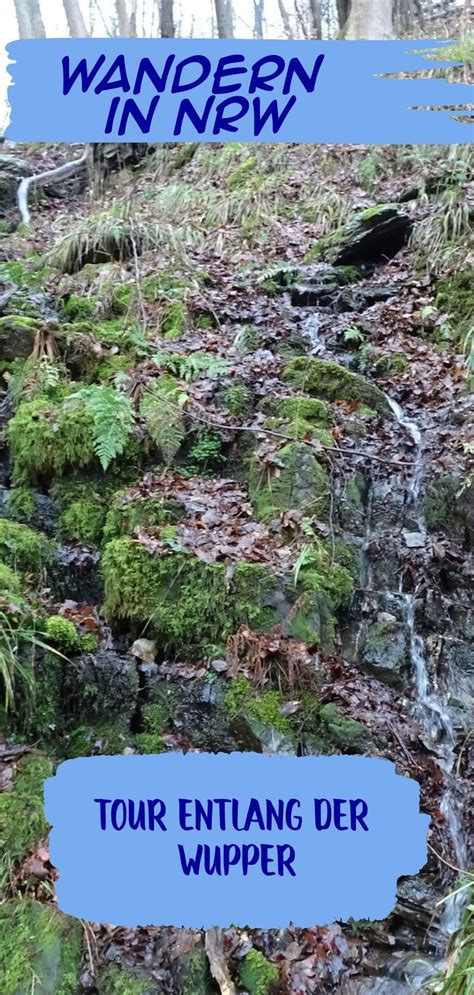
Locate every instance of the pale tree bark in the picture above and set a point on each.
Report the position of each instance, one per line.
(75, 20)
(123, 21)
(167, 27)
(36, 19)
(25, 27)
(258, 6)
(225, 18)
(315, 18)
(371, 19)
(285, 19)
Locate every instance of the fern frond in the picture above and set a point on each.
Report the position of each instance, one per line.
(162, 408)
(113, 421)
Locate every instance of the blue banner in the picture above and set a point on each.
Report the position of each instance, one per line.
(188, 90)
(200, 840)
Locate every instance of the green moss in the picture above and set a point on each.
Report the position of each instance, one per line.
(83, 521)
(257, 975)
(46, 439)
(155, 720)
(22, 820)
(324, 379)
(197, 979)
(21, 502)
(239, 693)
(23, 549)
(301, 407)
(10, 582)
(41, 950)
(455, 295)
(78, 308)
(114, 980)
(391, 365)
(61, 632)
(17, 336)
(442, 503)
(238, 400)
(173, 319)
(298, 481)
(125, 517)
(346, 733)
(186, 601)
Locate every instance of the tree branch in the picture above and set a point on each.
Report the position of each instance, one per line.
(63, 172)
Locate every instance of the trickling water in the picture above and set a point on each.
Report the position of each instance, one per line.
(431, 705)
(311, 330)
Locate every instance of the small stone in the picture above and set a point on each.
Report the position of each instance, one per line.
(219, 665)
(144, 649)
(414, 540)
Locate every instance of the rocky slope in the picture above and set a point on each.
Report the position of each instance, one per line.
(236, 514)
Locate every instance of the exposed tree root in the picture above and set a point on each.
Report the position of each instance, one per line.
(217, 961)
(60, 173)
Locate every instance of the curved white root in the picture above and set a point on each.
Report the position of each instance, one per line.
(42, 179)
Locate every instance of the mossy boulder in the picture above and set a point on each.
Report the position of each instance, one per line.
(17, 336)
(23, 549)
(383, 651)
(300, 407)
(22, 819)
(41, 950)
(322, 378)
(187, 603)
(46, 439)
(298, 480)
(346, 733)
(370, 236)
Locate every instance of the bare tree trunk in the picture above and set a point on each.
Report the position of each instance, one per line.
(343, 11)
(370, 19)
(75, 20)
(258, 6)
(167, 28)
(23, 17)
(225, 18)
(36, 19)
(316, 19)
(285, 18)
(133, 19)
(122, 18)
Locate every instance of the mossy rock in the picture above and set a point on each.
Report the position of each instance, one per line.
(17, 336)
(23, 549)
(186, 602)
(125, 517)
(300, 481)
(83, 521)
(370, 236)
(449, 507)
(455, 295)
(257, 975)
(46, 439)
(41, 950)
(22, 819)
(116, 980)
(346, 733)
(322, 378)
(302, 407)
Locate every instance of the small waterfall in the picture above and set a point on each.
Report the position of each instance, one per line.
(431, 706)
